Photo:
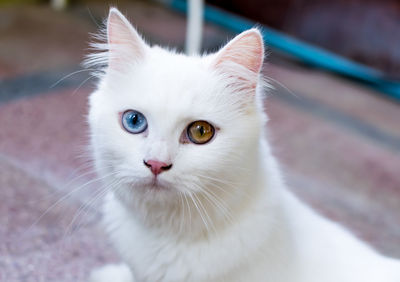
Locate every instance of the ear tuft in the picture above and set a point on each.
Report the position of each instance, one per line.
(245, 50)
(125, 44)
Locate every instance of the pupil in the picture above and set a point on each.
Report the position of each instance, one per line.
(201, 129)
(134, 118)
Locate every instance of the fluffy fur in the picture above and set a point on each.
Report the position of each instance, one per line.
(222, 212)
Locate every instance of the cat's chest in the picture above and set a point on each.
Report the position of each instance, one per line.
(154, 257)
(161, 257)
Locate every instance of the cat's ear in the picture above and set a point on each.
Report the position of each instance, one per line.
(124, 43)
(242, 57)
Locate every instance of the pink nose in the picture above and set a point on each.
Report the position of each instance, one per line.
(157, 167)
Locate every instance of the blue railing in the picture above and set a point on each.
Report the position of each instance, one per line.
(304, 52)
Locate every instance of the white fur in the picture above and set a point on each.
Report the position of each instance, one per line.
(223, 213)
(112, 272)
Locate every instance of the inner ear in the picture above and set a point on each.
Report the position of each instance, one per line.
(125, 44)
(242, 57)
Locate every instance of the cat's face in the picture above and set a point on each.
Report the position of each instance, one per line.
(164, 123)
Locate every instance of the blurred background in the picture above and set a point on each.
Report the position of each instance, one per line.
(336, 133)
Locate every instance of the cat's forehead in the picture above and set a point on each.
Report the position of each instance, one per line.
(177, 71)
(170, 83)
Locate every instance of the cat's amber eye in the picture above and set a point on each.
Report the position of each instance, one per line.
(200, 132)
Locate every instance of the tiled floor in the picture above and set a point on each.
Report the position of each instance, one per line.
(338, 141)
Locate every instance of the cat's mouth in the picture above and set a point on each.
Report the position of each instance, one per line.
(156, 184)
(152, 183)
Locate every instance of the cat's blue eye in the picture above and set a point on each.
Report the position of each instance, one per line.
(134, 121)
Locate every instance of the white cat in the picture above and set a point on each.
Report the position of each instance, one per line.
(194, 191)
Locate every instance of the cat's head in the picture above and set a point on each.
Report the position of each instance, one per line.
(164, 124)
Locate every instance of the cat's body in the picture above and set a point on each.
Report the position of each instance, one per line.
(286, 242)
(319, 252)
(216, 211)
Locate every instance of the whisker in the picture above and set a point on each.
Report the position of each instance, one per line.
(80, 85)
(199, 212)
(216, 179)
(219, 204)
(281, 85)
(189, 211)
(182, 217)
(216, 202)
(97, 195)
(208, 218)
(69, 75)
(55, 204)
